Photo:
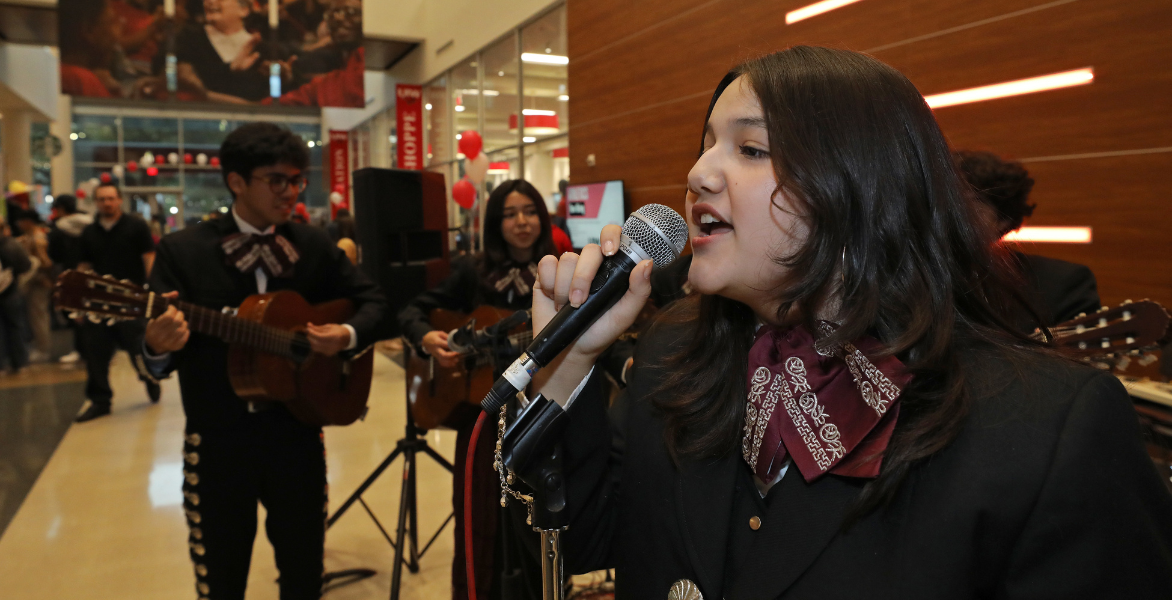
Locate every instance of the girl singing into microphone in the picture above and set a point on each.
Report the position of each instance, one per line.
(843, 410)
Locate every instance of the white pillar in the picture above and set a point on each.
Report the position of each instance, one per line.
(62, 164)
(17, 136)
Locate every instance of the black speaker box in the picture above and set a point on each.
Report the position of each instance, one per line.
(402, 222)
(401, 200)
(403, 282)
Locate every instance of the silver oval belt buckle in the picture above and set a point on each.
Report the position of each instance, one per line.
(684, 589)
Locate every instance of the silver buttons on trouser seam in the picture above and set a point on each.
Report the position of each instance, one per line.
(194, 439)
(192, 478)
(684, 589)
(192, 458)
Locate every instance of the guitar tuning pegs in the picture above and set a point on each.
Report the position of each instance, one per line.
(73, 314)
(108, 277)
(1128, 301)
(1105, 308)
(94, 318)
(112, 321)
(126, 281)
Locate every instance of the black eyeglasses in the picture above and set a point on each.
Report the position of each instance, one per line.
(279, 183)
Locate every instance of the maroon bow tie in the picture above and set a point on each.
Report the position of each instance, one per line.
(272, 253)
(828, 410)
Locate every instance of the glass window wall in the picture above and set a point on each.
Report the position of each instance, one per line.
(180, 185)
(514, 92)
(544, 64)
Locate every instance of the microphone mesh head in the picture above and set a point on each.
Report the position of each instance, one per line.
(661, 232)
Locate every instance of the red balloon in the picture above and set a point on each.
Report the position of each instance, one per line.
(214, 161)
(188, 158)
(131, 166)
(464, 193)
(105, 177)
(341, 189)
(470, 144)
(80, 193)
(152, 171)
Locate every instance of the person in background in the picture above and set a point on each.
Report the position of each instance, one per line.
(218, 59)
(14, 262)
(37, 285)
(65, 251)
(1055, 290)
(117, 244)
(516, 236)
(86, 44)
(561, 240)
(238, 453)
(305, 22)
(140, 32)
(342, 86)
(346, 235)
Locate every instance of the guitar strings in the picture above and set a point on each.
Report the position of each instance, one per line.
(242, 331)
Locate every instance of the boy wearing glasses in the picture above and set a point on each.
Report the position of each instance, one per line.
(238, 453)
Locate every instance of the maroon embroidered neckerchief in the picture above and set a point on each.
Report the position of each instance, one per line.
(830, 410)
(272, 253)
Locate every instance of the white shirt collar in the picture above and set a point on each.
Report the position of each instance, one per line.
(246, 227)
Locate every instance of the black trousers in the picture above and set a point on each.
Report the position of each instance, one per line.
(13, 349)
(272, 459)
(100, 344)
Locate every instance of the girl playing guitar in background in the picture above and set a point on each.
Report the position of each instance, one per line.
(517, 234)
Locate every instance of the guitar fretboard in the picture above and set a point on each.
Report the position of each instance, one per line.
(235, 330)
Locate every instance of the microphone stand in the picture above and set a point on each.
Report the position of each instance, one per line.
(531, 449)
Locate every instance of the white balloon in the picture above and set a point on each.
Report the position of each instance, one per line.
(94, 181)
(148, 159)
(173, 158)
(477, 168)
(201, 159)
(336, 198)
(118, 171)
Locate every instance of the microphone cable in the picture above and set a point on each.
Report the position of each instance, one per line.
(470, 457)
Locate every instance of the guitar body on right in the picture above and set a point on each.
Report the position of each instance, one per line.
(440, 396)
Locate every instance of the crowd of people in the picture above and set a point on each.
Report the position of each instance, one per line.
(224, 51)
(32, 253)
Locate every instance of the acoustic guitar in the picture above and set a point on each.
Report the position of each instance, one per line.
(269, 357)
(444, 397)
(1112, 336)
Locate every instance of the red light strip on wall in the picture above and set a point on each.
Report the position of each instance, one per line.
(815, 9)
(1013, 88)
(1054, 235)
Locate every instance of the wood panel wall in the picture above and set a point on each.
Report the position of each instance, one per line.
(641, 74)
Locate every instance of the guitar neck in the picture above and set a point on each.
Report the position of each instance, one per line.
(233, 329)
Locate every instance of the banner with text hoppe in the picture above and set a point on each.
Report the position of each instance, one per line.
(409, 124)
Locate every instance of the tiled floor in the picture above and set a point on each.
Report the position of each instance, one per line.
(104, 519)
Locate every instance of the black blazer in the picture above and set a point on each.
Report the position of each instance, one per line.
(192, 262)
(1058, 290)
(1047, 493)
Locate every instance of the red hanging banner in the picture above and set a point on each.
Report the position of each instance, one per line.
(339, 170)
(409, 123)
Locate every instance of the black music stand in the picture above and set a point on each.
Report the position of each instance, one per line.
(407, 531)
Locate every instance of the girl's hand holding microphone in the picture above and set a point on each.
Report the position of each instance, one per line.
(567, 280)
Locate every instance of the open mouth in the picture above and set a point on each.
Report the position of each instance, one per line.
(711, 225)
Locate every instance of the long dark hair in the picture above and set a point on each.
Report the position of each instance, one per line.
(496, 249)
(859, 153)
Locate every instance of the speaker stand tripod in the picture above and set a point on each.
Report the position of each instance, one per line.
(406, 542)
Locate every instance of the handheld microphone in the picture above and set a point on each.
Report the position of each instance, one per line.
(653, 232)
